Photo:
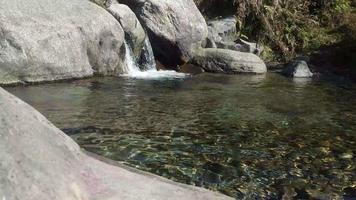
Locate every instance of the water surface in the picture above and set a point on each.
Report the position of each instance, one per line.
(250, 137)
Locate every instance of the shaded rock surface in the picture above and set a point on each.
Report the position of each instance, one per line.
(298, 69)
(190, 69)
(223, 34)
(249, 47)
(38, 161)
(222, 31)
(45, 40)
(229, 61)
(176, 28)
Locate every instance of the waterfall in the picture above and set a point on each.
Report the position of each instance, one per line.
(130, 67)
(147, 63)
(147, 56)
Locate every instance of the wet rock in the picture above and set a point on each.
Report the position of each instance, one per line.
(191, 69)
(228, 61)
(38, 161)
(134, 32)
(45, 40)
(176, 28)
(160, 66)
(298, 69)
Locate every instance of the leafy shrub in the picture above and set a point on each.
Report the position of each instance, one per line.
(289, 27)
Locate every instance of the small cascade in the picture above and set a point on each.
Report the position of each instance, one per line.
(130, 67)
(148, 57)
(148, 71)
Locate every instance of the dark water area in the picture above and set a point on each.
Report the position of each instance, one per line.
(250, 137)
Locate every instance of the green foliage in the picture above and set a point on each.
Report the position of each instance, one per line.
(288, 27)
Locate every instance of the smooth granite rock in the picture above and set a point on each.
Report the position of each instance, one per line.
(46, 40)
(176, 28)
(229, 61)
(38, 161)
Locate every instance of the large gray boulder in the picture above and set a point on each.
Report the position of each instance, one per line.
(229, 61)
(297, 69)
(45, 40)
(176, 28)
(38, 161)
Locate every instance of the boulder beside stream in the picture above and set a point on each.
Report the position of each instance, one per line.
(229, 61)
(46, 40)
(297, 69)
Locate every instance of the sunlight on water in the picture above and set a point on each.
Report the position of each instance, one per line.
(250, 137)
(155, 74)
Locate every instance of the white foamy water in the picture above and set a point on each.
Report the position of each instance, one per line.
(132, 70)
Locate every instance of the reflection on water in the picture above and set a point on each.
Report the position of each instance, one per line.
(251, 137)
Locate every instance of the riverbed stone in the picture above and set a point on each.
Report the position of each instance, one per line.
(298, 69)
(229, 61)
(38, 161)
(46, 40)
(176, 28)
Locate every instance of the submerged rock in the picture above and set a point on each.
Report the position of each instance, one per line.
(298, 69)
(45, 40)
(38, 161)
(176, 28)
(228, 61)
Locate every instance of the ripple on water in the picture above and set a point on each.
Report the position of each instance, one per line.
(251, 137)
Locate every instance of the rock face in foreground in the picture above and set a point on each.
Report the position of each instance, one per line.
(229, 61)
(176, 28)
(298, 69)
(38, 161)
(45, 40)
